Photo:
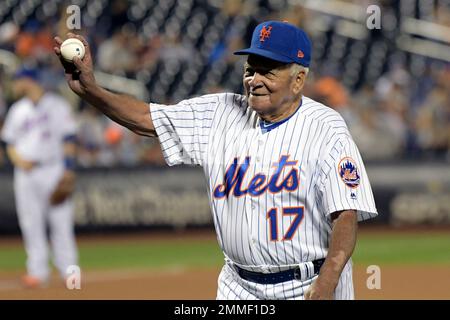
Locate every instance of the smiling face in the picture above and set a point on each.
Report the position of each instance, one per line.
(273, 91)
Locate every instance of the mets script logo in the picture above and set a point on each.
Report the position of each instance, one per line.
(349, 172)
(234, 177)
(265, 33)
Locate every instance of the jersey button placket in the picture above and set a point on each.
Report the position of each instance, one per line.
(257, 148)
(260, 167)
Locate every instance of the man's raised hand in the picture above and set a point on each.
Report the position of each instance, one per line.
(80, 73)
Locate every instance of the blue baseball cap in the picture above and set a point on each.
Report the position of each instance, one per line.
(280, 41)
(27, 73)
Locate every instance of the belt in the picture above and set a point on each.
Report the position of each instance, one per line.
(278, 277)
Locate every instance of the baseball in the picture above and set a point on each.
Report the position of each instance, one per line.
(72, 47)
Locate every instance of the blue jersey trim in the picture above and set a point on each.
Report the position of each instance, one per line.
(268, 126)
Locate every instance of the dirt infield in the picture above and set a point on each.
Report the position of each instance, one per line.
(396, 283)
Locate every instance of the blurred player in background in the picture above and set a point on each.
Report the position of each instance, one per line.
(39, 131)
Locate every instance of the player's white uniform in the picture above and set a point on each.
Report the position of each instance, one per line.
(272, 188)
(37, 133)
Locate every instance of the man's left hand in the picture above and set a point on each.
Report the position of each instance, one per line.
(320, 290)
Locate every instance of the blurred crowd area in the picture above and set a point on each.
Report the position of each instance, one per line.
(396, 104)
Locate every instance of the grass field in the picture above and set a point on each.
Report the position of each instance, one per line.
(372, 248)
(172, 265)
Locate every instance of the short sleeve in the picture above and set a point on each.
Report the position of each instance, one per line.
(346, 185)
(183, 129)
(10, 130)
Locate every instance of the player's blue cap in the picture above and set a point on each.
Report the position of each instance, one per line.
(26, 73)
(280, 41)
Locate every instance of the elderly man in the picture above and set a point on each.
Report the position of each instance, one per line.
(286, 182)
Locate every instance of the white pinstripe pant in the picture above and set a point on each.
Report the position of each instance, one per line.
(232, 287)
(32, 193)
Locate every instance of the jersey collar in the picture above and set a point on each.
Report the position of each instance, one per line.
(268, 126)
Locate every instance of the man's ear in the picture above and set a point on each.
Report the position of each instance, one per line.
(299, 81)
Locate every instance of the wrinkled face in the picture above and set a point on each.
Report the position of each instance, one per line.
(269, 85)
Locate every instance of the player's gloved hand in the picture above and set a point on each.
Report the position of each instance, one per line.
(80, 73)
(25, 164)
(64, 188)
(320, 290)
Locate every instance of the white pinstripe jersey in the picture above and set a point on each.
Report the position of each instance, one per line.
(271, 191)
(37, 131)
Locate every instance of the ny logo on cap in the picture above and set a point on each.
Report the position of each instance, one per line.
(265, 33)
